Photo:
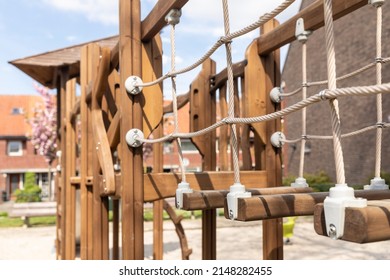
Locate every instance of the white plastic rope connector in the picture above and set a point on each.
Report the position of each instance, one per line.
(300, 33)
(275, 94)
(376, 3)
(182, 188)
(132, 85)
(340, 197)
(173, 17)
(277, 139)
(237, 191)
(300, 182)
(377, 184)
(133, 137)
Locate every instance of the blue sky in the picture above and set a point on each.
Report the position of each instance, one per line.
(30, 27)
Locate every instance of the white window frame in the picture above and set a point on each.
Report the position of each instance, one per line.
(15, 153)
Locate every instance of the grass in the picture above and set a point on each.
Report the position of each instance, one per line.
(6, 221)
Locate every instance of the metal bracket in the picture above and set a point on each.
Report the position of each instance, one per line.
(173, 17)
(237, 191)
(133, 137)
(300, 33)
(132, 85)
(275, 94)
(277, 139)
(340, 197)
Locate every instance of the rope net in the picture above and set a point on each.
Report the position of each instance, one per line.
(330, 95)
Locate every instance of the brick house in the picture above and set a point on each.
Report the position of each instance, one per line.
(17, 154)
(355, 47)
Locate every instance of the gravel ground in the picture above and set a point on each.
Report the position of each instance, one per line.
(235, 241)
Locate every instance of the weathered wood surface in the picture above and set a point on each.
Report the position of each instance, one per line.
(286, 205)
(200, 200)
(362, 225)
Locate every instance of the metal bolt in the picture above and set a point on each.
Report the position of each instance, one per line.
(231, 214)
(332, 231)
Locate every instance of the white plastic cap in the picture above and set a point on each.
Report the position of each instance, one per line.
(237, 190)
(340, 196)
(182, 187)
(277, 139)
(275, 94)
(300, 182)
(377, 184)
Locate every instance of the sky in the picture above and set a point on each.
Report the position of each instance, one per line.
(30, 27)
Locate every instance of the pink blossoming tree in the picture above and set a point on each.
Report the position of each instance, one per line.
(44, 128)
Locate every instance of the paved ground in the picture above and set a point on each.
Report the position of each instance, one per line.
(235, 241)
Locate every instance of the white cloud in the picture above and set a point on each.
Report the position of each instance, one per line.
(71, 38)
(103, 11)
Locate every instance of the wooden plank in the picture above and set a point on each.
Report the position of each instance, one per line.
(115, 229)
(70, 170)
(102, 146)
(200, 200)
(313, 16)
(294, 204)
(84, 80)
(130, 56)
(155, 20)
(182, 100)
(163, 185)
(97, 213)
(362, 225)
(152, 96)
(272, 229)
(221, 78)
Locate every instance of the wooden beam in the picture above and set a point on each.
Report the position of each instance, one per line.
(313, 16)
(362, 225)
(155, 20)
(270, 68)
(221, 78)
(130, 56)
(286, 205)
(202, 200)
(163, 185)
(182, 100)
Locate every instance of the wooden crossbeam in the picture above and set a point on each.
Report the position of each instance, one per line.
(285, 205)
(202, 200)
(155, 20)
(362, 225)
(313, 16)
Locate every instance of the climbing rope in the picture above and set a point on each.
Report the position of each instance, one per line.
(331, 69)
(233, 129)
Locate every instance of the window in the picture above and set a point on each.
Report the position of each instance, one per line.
(15, 148)
(17, 111)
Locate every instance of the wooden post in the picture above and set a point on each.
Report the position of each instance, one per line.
(272, 229)
(86, 244)
(130, 107)
(69, 171)
(202, 101)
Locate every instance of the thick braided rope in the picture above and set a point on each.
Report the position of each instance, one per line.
(304, 95)
(323, 95)
(346, 76)
(263, 19)
(331, 67)
(233, 129)
(326, 137)
(174, 102)
(378, 150)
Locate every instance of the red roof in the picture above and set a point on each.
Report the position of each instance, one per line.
(14, 113)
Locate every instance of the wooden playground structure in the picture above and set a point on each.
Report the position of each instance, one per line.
(98, 163)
